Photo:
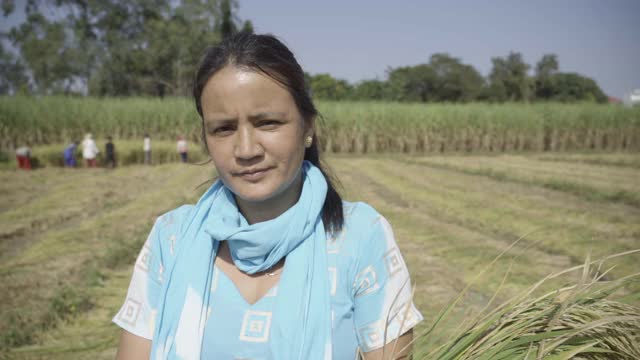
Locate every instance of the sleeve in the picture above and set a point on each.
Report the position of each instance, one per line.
(381, 291)
(137, 314)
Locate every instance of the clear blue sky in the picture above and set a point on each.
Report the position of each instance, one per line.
(359, 39)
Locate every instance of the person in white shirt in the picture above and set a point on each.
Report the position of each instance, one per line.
(181, 146)
(89, 150)
(146, 147)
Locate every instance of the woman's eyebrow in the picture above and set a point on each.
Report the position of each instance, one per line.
(220, 121)
(220, 118)
(266, 115)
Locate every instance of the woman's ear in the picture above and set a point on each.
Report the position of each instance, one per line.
(309, 128)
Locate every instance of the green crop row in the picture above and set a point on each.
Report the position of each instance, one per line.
(358, 127)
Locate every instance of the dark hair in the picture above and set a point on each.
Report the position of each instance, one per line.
(267, 55)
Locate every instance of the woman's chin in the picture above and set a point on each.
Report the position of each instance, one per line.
(254, 194)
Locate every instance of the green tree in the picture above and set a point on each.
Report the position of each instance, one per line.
(412, 83)
(227, 25)
(575, 87)
(546, 69)
(508, 79)
(444, 78)
(369, 90)
(118, 47)
(247, 26)
(324, 86)
(43, 48)
(13, 77)
(454, 81)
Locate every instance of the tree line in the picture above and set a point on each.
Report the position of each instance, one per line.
(151, 48)
(446, 79)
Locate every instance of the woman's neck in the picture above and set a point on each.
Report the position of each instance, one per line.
(256, 212)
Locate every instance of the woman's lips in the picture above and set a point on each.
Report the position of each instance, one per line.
(254, 176)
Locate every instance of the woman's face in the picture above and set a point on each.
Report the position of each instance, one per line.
(255, 134)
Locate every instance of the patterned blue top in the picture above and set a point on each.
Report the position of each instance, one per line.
(366, 270)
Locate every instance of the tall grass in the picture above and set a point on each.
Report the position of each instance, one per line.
(393, 127)
(355, 127)
(577, 321)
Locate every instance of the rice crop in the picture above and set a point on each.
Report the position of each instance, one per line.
(345, 127)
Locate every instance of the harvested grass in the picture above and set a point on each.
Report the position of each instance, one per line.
(420, 236)
(613, 159)
(594, 182)
(51, 279)
(576, 321)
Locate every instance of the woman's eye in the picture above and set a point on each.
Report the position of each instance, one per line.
(269, 124)
(223, 130)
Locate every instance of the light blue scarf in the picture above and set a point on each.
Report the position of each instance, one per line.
(301, 324)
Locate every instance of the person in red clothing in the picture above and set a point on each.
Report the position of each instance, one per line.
(23, 157)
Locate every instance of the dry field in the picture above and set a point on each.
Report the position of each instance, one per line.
(68, 238)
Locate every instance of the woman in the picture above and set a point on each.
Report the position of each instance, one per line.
(146, 147)
(270, 263)
(89, 150)
(181, 147)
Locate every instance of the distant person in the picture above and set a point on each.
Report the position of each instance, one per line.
(89, 151)
(110, 151)
(69, 154)
(23, 157)
(146, 147)
(181, 146)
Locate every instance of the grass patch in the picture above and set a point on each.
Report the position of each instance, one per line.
(614, 159)
(580, 190)
(66, 303)
(83, 252)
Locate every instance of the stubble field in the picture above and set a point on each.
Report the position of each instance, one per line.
(68, 238)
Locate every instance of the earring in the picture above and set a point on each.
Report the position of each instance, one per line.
(308, 141)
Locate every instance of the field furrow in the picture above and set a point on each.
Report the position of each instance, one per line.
(557, 208)
(630, 160)
(20, 188)
(494, 209)
(445, 254)
(67, 257)
(66, 204)
(594, 182)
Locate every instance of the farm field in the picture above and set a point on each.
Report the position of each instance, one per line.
(68, 238)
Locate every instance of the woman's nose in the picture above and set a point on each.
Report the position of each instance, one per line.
(247, 146)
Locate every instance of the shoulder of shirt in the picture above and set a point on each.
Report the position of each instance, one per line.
(359, 214)
(361, 220)
(175, 218)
